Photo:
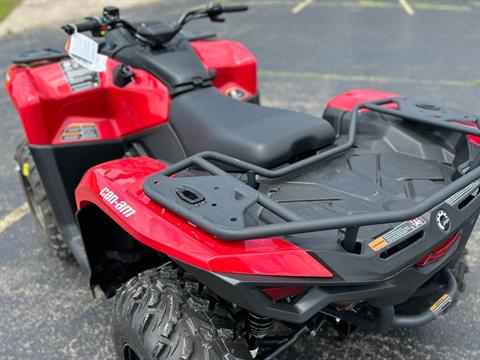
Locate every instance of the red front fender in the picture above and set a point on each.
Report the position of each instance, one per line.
(116, 188)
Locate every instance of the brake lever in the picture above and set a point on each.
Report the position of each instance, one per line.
(216, 18)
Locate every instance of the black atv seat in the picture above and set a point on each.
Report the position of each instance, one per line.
(208, 120)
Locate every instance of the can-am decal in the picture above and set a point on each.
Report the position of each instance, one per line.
(113, 199)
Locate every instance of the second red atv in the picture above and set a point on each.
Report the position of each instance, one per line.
(225, 229)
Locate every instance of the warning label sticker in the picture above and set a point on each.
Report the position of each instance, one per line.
(440, 305)
(399, 232)
(460, 195)
(80, 131)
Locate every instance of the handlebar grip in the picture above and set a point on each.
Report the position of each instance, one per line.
(88, 25)
(234, 8)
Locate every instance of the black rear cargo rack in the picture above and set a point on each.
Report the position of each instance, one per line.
(225, 198)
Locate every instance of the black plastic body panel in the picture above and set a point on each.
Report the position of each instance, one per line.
(61, 168)
(371, 266)
(391, 290)
(35, 56)
(176, 64)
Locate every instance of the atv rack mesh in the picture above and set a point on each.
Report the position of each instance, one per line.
(207, 201)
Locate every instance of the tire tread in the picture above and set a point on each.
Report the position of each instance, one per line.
(164, 317)
(51, 234)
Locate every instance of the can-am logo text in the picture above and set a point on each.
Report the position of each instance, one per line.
(121, 206)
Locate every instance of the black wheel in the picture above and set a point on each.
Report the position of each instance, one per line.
(39, 204)
(158, 315)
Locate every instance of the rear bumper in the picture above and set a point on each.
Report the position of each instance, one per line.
(244, 290)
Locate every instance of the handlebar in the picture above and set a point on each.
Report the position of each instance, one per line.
(91, 24)
(212, 11)
(111, 19)
(234, 8)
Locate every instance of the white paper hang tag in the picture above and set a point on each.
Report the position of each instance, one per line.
(83, 47)
(85, 51)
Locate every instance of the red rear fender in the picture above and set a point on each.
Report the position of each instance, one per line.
(348, 100)
(116, 188)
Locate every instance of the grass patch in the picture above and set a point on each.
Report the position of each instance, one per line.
(6, 6)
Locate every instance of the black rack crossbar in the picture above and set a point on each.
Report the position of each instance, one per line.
(293, 224)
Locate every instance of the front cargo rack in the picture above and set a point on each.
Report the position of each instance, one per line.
(217, 202)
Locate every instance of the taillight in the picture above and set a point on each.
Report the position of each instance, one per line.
(440, 251)
(278, 293)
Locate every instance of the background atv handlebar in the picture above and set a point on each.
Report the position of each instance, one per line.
(235, 8)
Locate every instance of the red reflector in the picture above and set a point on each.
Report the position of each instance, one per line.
(277, 293)
(440, 251)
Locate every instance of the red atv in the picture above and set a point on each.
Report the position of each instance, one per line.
(226, 229)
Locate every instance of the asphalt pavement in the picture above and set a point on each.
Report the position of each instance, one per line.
(304, 57)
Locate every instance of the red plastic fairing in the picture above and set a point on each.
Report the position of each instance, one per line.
(475, 140)
(122, 180)
(349, 99)
(235, 65)
(47, 105)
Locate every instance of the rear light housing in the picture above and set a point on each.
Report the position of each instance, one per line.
(440, 251)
